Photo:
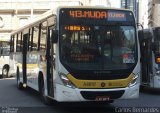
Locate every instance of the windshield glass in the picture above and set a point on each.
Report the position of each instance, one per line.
(4, 48)
(32, 59)
(98, 47)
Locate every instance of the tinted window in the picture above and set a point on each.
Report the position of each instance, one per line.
(43, 36)
(35, 37)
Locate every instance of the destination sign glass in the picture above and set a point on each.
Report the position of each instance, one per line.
(97, 14)
(77, 28)
(110, 15)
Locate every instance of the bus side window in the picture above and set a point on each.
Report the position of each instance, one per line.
(35, 38)
(30, 39)
(156, 44)
(12, 44)
(11, 47)
(1, 49)
(17, 43)
(43, 36)
(21, 41)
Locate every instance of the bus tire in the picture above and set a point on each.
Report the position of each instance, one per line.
(44, 98)
(142, 88)
(19, 84)
(5, 71)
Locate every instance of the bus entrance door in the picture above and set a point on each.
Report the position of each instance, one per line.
(24, 55)
(49, 57)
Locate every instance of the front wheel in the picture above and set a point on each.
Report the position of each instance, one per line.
(44, 98)
(142, 88)
(19, 84)
(5, 72)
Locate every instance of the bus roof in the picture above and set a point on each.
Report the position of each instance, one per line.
(93, 7)
(35, 20)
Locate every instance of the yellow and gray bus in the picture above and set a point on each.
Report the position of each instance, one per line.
(78, 54)
(4, 57)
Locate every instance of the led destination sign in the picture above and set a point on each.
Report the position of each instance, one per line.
(77, 28)
(99, 15)
(96, 14)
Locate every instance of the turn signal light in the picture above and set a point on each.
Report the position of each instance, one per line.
(158, 60)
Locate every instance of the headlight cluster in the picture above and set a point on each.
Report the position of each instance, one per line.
(157, 71)
(66, 81)
(134, 80)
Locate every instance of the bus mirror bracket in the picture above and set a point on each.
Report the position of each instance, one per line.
(54, 36)
(140, 25)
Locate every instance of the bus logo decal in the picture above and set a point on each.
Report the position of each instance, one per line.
(103, 84)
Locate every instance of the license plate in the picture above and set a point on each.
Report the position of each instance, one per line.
(102, 98)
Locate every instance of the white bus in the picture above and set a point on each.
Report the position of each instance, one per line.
(7, 64)
(150, 57)
(4, 57)
(79, 54)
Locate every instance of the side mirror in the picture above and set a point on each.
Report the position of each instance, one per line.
(54, 36)
(140, 25)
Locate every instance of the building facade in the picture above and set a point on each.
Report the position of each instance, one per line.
(154, 13)
(15, 13)
(143, 13)
(132, 5)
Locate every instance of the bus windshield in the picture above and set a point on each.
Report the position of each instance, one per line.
(156, 32)
(4, 48)
(98, 47)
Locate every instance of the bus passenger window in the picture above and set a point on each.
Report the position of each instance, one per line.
(18, 44)
(43, 36)
(12, 44)
(21, 41)
(35, 38)
(30, 39)
(4, 49)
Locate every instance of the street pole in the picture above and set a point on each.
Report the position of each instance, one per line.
(126, 3)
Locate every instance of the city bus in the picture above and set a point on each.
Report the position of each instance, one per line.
(150, 57)
(4, 57)
(79, 53)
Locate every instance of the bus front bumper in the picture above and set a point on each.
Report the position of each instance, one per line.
(66, 94)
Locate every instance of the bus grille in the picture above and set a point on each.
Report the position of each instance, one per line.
(91, 95)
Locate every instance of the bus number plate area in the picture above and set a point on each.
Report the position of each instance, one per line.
(102, 98)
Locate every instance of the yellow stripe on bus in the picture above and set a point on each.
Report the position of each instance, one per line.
(29, 66)
(119, 83)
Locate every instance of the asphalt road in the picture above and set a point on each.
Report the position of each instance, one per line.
(13, 100)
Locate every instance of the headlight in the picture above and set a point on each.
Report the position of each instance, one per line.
(157, 71)
(66, 81)
(134, 80)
